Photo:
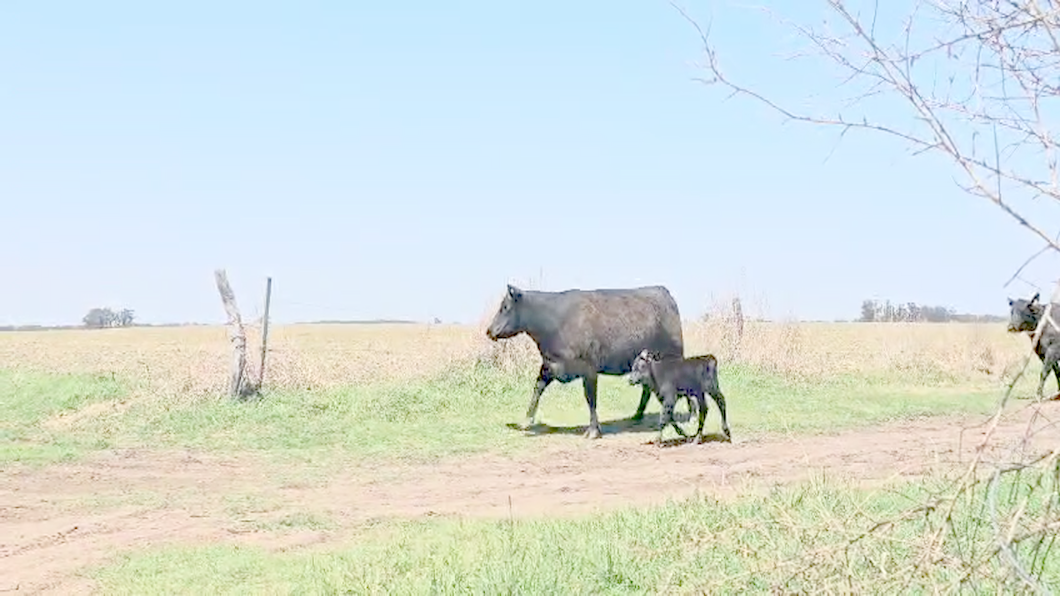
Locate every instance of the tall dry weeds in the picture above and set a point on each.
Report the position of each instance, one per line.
(919, 352)
(517, 354)
(192, 362)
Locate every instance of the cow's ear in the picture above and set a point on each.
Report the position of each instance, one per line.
(1035, 299)
(1010, 301)
(514, 292)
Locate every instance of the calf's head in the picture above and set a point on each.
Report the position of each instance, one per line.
(507, 322)
(641, 369)
(1023, 314)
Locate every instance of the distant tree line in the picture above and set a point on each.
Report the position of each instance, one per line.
(99, 318)
(876, 311)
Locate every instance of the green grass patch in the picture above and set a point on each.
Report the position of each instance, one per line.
(751, 546)
(466, 410)
(470, 410)
(28, 401)
(761, 402)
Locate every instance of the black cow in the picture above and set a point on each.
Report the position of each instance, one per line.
(671, 377)
(586, 333)
(1024, 317)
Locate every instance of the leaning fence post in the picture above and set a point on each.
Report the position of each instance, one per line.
(238, 386)
(737, 313)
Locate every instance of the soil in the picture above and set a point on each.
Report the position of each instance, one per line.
(58, 521)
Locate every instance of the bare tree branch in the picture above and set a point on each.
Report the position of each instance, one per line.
(1016, 43)
(988, 71)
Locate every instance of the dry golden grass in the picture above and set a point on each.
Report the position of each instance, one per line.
(815, 350)
(193, 361)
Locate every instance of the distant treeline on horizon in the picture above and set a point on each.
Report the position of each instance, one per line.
(885, 311)
(163, 325)
(954, 318)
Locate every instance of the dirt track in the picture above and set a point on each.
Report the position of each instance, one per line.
(56, 521)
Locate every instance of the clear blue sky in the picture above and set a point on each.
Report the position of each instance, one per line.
(407, 159)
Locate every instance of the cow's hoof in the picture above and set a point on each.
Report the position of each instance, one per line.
(700, 440)
(527, 424)
(592, 433)
(637, 417)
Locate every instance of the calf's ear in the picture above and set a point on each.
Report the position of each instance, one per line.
(1036, 295)
(514, 292)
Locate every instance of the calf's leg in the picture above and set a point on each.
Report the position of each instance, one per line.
(666, 415)
(589, 383)
(720, 400)
(700, 408)
(701, 403)
(646, 396)
(544, 377)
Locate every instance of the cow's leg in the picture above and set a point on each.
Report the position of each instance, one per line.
(1052, 354)
(589, 383)
(1056, 375)
(544, 377)
(645, 395)
(720, 400)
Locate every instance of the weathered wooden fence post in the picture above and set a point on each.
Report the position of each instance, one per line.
(737, 316)
(238, 385)
(737, 313)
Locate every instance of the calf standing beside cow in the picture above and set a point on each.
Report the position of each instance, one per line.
(582, 334)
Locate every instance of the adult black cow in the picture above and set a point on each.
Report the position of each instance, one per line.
(586, 333)
(1024, 316)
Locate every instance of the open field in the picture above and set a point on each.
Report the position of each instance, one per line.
(381, 461)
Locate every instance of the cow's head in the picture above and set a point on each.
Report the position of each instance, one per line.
(506, 323)
(641, 369)
(1024, 314)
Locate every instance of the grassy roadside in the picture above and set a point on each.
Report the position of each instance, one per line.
(749, 546)
(61, 417)
(29, 401)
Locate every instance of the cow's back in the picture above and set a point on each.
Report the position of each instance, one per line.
(610, 327)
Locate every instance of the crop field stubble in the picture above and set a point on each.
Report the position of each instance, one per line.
(116, 433)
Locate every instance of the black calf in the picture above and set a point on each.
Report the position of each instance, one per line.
(670, 377)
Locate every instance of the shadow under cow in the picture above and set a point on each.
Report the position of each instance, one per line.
(648, 424)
